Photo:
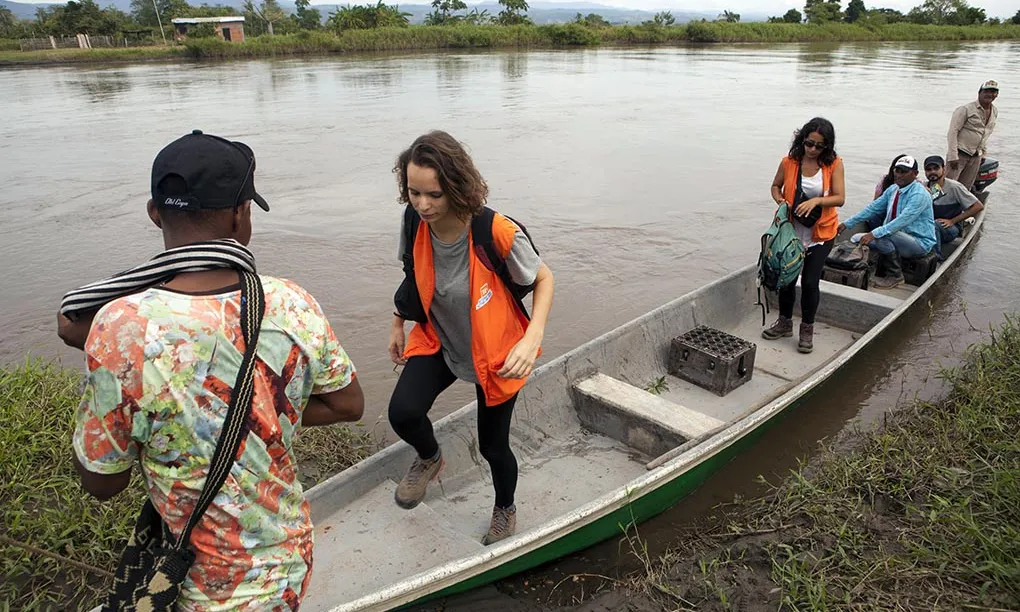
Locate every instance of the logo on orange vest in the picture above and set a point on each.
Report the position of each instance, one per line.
(486, 296)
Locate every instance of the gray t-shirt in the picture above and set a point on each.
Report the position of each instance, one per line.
(950, 199)
(450, 312)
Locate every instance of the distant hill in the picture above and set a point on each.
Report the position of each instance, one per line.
(540, 12)
(22, 10)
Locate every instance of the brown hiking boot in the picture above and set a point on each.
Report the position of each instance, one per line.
(502, 526)
(411, 489)
(887, 282)
(782, 328)
(806, 343)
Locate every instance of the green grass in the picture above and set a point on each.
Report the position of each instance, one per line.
(42, 503)
(923, 514)
(491, 36)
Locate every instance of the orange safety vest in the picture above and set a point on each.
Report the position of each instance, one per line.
(825, 227)
(497, 324)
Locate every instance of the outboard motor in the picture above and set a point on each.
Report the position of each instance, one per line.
(987, 173)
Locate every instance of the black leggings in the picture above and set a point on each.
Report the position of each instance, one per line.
(421, 382)
(810, 294)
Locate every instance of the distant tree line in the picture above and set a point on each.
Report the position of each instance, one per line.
(931, 12)
(267, 17)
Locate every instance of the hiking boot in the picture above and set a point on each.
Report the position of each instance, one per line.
(502, 526)
(807, 332)
(411, 489)
(887, 282)
(782, 328)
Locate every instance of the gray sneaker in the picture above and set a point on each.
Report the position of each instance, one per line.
(502, 526)
(411, 489)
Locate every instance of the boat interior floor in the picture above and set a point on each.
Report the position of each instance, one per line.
(357, 543)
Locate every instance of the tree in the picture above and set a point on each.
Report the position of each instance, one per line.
(513, 12)
(476, 17)
(729, 17)
(793, 16)
(822, 11)
(306, 18)
(442, 12)
(855, 10)
(592, 20)
(886, 15)
(1016, 18)
(665, 18)
(968, 15)
(8, 22)
(144, 14)
(269, 12)
(946, 12)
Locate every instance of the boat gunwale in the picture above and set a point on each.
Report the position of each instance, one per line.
(421, 585)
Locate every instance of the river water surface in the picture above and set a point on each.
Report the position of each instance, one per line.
(641, 173)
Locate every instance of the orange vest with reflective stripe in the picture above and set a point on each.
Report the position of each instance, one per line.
(496, 322)
(825, 227)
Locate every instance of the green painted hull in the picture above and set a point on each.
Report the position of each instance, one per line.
(640, 509)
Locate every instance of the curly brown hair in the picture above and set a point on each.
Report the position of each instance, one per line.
(458, 177)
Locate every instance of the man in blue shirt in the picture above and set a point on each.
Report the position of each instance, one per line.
(900, 223)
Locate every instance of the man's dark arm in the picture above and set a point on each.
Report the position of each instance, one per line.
(347, 404)
(101, 486)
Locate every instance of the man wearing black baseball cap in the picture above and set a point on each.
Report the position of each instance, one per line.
(969, 130)
(898, 224)
(952, 202)
(163, 353)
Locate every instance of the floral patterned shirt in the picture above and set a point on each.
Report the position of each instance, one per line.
(161, 365)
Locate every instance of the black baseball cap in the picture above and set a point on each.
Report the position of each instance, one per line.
(934, 159)
(204, 172)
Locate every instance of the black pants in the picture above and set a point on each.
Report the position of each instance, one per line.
(420, 383)
(810, 294)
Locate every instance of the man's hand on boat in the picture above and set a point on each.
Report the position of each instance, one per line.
(397, 341)
(521, 359)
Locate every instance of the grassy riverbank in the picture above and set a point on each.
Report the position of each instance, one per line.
(921, 515)
(42, 504)
(491, 36)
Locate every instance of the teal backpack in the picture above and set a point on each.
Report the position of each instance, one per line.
(782, 255)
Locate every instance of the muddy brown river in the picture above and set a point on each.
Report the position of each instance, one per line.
(641, 174)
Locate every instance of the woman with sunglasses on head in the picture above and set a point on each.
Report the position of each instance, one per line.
(810, 180)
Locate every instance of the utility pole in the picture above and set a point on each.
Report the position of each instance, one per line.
(159, 20)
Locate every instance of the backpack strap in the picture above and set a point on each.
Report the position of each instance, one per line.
(489, 255)
(411, 221)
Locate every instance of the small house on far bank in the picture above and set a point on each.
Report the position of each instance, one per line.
(230, 29)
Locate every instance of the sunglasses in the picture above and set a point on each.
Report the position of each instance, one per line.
(814, 145)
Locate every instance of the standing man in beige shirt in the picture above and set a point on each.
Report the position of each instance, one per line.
(969, 130)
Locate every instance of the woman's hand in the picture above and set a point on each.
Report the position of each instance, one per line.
(521, 359)
(805, 207)
(397, 342)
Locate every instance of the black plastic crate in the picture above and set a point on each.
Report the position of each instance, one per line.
(917, 270)
(712, 359)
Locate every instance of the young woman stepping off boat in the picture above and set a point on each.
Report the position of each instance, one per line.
(810, 179)
(469, 323)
